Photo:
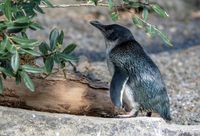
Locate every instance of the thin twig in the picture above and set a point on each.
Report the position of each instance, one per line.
(92, 5)
(75, 5)
(73, 66)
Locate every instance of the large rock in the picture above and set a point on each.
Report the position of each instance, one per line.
(17, 122)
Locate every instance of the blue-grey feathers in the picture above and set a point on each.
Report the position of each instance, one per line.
(134, 68)
(117, 85)
(144, 77)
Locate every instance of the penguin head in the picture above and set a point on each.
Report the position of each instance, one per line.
(113, 32)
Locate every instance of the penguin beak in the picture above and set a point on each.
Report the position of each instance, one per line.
(98, 25)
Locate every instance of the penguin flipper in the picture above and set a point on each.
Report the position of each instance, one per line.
(117, 86)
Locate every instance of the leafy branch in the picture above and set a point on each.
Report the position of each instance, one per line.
(18, 52)
(140, 22)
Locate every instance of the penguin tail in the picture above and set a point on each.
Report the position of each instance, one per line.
(165, 114)
(166, 117)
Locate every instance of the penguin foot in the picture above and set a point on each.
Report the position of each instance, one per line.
(129, 115)
(149, 114)
(125, 116)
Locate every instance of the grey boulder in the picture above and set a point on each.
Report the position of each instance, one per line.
(18, 122)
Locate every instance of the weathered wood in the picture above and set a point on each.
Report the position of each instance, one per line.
(75, 96)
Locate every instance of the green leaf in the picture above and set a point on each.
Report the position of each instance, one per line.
(159, 10)
(8, 72)
(68, 57)
(35, 26)
(43, 47)
(56, 58)
(18, 78)
(7, 9)
(4, 43)
(61, 37)
(49, 63)
(145, 14)
(15, 61)
(38, 9)
(110, 4)
(137, 21)
(48, 3)
(31, 69)
(15, 29)
(11, 48)
(114, 16)
(164, 37)
(134, 4)
(53, 38)
(27, 81)
(31, 52)
(95, 2)
(150, 30)
(8, 45)
(69, 48)
(1, 85)
(24, 42)
(22, 20)
(2, 26)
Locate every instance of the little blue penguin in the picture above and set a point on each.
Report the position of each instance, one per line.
(136, 82)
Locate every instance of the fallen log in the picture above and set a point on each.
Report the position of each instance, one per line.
(75, 95)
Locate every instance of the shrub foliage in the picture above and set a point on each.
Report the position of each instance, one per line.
(18, 52)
